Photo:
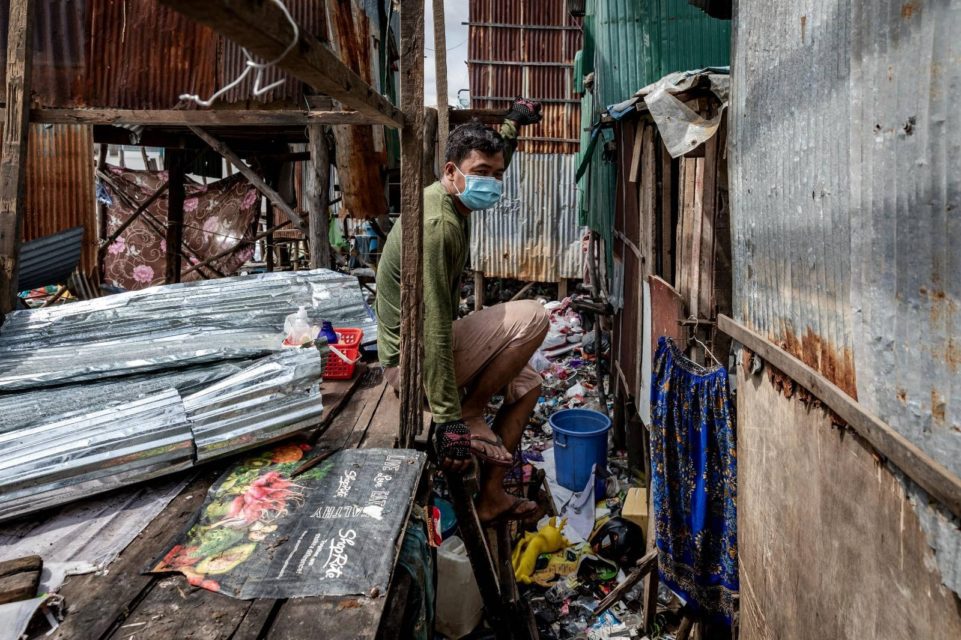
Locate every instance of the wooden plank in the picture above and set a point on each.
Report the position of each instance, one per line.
(317, 194)
(706, 258)
(487, 116)
(667, 309)
(691, 293)
(19, 586)
(249, 173)
(440, 66)
(927, 472)
(13, 150)
(382, 431)
(431, 145)
(649, 595)
(412, 219)
(254, 624)
(175, 213)
(666, 214)
(644, 566)
(174, 609)
(263, 29)
(478, 290)
(198, 118)
(99, 603)
(349, 617)
(640, 132)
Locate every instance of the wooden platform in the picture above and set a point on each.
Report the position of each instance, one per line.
(125, 604)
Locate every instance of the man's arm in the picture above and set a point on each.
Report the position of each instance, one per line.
(440, 384)
(523, 112)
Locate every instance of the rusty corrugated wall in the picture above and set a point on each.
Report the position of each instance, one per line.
(846, 195)
(60, 186)
(532, 233)
(138, 54)
(527, 48)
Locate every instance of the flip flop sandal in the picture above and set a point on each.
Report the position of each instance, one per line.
(452, 441)
(496, 441)
(512, 514)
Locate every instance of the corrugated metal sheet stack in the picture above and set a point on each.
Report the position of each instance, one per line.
(99, 394)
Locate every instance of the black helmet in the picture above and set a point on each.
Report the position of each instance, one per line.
(620, 541)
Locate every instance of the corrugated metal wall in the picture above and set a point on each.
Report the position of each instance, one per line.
(532, 233)
(60, 187)
(547, 76)
(636, 43)
(845, 197)
(138, 54)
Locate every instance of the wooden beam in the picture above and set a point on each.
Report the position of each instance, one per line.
(412, 220)
(175, 213)
(430, 144)
(13, 150)
(927, 472)
(487, 116)
(318, 198)
(644, 566)
(196, 118)
(254, 179)
(262, 28)
(440, 65)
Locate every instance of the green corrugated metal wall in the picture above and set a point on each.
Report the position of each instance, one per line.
(637, 42)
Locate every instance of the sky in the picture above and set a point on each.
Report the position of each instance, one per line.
(455, 12)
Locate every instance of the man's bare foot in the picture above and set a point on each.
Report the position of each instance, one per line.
(494, 505)
(485, 442)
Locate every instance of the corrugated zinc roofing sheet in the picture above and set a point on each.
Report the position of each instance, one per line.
(533, 233)
(845, 139)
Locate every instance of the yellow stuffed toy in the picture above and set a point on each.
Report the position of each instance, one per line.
(547, 540)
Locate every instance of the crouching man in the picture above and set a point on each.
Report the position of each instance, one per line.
(468, 360)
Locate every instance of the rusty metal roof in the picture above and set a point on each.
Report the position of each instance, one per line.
(521, 48)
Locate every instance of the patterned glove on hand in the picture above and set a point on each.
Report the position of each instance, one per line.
(525, 111)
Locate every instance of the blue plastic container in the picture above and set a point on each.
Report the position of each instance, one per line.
(580, 441)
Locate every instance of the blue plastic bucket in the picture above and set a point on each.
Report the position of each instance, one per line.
(580, 442)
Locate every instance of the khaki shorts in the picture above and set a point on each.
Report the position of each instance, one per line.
(485, 334)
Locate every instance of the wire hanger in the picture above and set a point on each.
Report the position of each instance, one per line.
(251, 65)
(693, 323)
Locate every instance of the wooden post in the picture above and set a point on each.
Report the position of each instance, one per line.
(318, 197)
(101, 215)
(412, 220)
(440, 64)
(175, 213)
(478, 290)
(430, 145)
(13, 152)
(562, 289)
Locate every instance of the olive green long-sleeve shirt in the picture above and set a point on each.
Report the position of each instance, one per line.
(446, 247)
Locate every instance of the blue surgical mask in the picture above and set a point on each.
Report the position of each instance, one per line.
(480, 192)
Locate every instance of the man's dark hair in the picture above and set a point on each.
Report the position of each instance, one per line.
(472, 136)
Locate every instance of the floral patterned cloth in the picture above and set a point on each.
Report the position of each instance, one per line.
(694, 482)
(216, 217)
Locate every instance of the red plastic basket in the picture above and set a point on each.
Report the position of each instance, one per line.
(348, 343)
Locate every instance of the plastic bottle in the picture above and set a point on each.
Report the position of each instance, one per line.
(459, 604)
(297, 328)
(327, 330)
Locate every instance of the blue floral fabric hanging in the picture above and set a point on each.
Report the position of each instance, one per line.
(694, 482)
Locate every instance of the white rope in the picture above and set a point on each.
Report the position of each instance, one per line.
(252, 65)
